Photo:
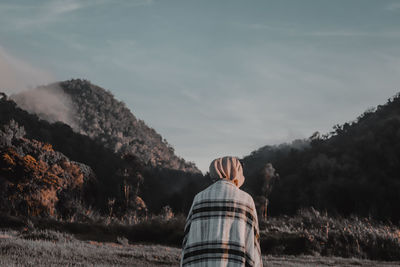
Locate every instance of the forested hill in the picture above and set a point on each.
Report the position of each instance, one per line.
(355, 169)
(95, 112)
(60, 137)
(41, 163)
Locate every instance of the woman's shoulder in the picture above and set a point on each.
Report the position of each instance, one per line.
(224, 189)
(247, 197)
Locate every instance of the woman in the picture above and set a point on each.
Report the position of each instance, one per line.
(222, 226)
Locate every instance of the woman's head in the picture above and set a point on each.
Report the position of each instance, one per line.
(228, 168)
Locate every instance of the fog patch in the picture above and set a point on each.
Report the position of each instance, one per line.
(50, 103)
(18, 78)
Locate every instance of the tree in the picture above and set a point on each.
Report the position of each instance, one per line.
(268, 177)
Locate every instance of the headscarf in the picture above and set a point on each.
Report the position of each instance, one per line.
(228, 168)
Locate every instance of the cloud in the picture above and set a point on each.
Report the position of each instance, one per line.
(266, 27)
(43, 13)
(62, 7)
(292, 31)
(350, 33)
(47, 13)
(49, 103)
(138, 3)
(17, 75)
(393, 6)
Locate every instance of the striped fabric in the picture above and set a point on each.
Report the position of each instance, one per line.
(221, 229)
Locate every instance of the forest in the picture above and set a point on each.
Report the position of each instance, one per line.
(113, 184)
(353, 170)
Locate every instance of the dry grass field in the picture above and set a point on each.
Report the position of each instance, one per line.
(51, 248)
(307, 239)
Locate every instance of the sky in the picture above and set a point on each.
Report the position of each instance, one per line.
(214, 78)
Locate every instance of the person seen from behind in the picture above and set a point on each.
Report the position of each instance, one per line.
(222, 225)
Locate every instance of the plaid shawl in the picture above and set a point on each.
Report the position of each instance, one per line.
(221, 229)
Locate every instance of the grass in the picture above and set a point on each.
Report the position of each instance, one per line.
(19, 249)
(307, 233)
(23, 251)
(153, 230)
(312, 233)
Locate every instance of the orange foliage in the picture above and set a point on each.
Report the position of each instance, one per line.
(76, 172)
(52, 180)
(37, 184)
(12, 152)
(56, 169)
(42, 166)
(47, 147)
(30, 163)
(20, 187)
(8, 160)
(48, 199)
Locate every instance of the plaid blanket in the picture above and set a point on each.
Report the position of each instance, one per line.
(221, 229)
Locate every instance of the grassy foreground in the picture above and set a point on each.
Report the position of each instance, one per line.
(50, 248)
(312, 233)
(309, 238)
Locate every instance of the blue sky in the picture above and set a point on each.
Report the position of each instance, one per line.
(213, 77)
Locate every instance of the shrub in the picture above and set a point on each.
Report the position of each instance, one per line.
(309, 232)
(122, 240)
(47, 235)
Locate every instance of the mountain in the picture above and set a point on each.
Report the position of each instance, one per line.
(93, 111)
(121, 179)
(65, 143)
(352, 170)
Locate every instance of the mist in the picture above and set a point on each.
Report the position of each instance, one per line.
(21, 81)
(49, 103)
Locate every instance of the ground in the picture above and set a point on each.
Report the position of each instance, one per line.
(56, 249)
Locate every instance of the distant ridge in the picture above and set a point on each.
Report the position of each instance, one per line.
(353, 170)
(95, 112)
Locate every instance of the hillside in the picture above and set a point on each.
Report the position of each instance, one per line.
(39, 135)
(121, 178)
(35, 180)
(352, 170)
(93, 111)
